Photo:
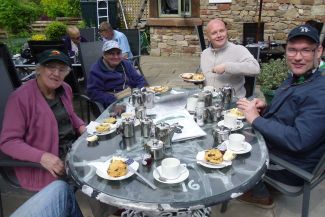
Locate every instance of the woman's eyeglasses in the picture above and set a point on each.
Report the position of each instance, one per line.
(63, 71)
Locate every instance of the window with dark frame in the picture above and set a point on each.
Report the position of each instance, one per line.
(174, 8)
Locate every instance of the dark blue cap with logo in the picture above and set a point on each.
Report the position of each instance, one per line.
(52, 55)
(306, 31)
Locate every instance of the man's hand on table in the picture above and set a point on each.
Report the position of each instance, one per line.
(53, 164)
(251, 109)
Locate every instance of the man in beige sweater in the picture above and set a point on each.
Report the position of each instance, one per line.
(224, 62)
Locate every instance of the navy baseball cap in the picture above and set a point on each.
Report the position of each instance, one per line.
(306, 31)
(53, 54)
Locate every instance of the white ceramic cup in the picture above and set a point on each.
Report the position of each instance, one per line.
(230, 120)
(171, 168)
(191, 104)
(236, 142)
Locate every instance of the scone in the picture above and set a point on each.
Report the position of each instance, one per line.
(198, 77)
(117, 168)
(103, 127)
(187, 75)
(110, 120)
(213, 156)
(237, 112)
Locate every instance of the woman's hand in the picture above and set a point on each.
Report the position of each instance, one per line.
(53, 164)
(249, 108)
(82, 129)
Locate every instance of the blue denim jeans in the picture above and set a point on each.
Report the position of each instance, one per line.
(55, 200)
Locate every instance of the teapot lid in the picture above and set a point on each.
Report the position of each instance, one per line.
(163, 125)
(155, 144)
(221, 129)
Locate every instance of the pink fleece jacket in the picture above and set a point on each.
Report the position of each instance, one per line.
(30, 129)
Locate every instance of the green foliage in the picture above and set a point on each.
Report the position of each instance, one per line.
(272, 74)
(15, 44)
(81, 24)
(61, 8)
(55, 30)
(16, 16)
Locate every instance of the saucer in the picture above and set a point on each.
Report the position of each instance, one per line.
(181, 178)
(200, 160)
(240, 125)
(247, 147)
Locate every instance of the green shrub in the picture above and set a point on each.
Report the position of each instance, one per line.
(55, 30)
(272, 74)
(61, 8)
(16, 16)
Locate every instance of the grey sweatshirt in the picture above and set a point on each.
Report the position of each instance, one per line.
(239, 62)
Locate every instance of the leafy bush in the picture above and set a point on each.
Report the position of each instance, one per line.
(81, 24)
(272, 74)
(55, 30)
(61, 8)
(38, 37)
(16, 16)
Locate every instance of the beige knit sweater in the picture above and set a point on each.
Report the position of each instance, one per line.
(239, 62)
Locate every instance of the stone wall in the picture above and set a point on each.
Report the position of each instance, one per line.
(174, 41)
(279, 17)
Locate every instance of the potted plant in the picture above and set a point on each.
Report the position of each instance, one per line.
(273, 73)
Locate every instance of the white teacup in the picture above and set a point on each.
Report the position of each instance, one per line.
(191, 104)
(230, 120)
(171, 168)
(236, 142)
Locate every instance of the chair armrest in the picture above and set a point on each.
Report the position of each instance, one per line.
(292, 168)
(6, 161)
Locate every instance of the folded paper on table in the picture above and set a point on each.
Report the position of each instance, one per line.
(190, 128)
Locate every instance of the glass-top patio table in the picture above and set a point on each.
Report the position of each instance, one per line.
(203, 188)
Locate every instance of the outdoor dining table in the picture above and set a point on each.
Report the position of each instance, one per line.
(203, 188)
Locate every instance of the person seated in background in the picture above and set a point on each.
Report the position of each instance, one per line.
(293, 125)
(55, 200)
(39, 123)
(71, 42)
(107, 33)
(224, 62)
(111, 77)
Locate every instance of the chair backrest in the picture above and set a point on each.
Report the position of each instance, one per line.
(6, 87)
(250, 81)
(88, 33)
(200, 34)
(133, 36)
(9, 65)
(37, 47)
(90, 52)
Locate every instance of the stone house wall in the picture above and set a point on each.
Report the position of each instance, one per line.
(279, 17)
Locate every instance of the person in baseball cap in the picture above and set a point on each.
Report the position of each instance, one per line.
(293, 125)
(112, 76)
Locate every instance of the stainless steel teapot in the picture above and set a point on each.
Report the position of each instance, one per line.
(165, 132)
(228, 93)
(127, 127)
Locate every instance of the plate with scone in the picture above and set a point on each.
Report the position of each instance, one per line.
(115, 168)
(159, 89)
(236, 112)
(213, 158)
(101, 128)
(192, 77)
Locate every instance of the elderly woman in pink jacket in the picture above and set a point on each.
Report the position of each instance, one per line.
(40, 124)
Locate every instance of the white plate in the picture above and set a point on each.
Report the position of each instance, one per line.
(200, 158)
(113, 129)
(247, 147)
(102, 167)
(238, 117)
(181, 178)
(240, 125)
(191, 80)
(166, 88)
